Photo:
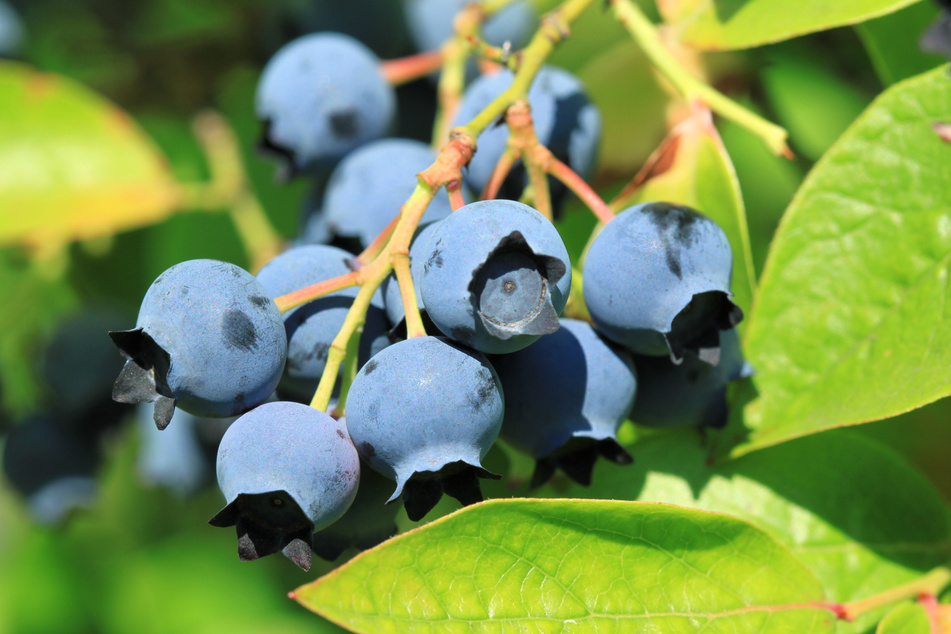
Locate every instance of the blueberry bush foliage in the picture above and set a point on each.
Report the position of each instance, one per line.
(749, 432)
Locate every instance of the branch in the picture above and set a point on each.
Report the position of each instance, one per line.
(645, 34)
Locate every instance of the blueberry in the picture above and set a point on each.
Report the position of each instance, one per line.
(320, 97)
(311, 328)
(566, 395)
(368, 522)
(353, 208)
(496, 276)
(208, 339)
(424, 412)
(12, 34)
(657, 281)
(173, 458)
(691, 394)
(285, 470)
(565, 120)
(53, 468)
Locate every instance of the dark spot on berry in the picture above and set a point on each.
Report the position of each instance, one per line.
(341, 433)
(260, 301)
(673, 261)
(370, 366)
(435, 259)
(366, 450)
(344, 124)
(238, 331)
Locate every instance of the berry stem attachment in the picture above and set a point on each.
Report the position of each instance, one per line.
(645, 34)
(314, 291)
(406, 69)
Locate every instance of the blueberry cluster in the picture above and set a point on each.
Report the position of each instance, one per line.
(414, 414)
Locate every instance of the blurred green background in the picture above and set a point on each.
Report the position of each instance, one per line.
(142, 560)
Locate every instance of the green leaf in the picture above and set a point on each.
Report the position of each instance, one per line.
(849, 508)
(892, 42)
(851, 322)
(72, 165)
(574, 566)
(692, 168)
(908, 618)
(731, 24)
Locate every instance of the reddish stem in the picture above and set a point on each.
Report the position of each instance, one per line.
(406, 69)
(581, 189)
(378, 243)
(454, 189)
(314, 291)
(502, 169)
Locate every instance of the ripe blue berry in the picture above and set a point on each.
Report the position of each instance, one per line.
(353, 208)
(565, 121)
(311, 328)
(321, 96)
(566, 395)
(691, 394)
(657, 281)
(424, 412)
(496, 276)
(208, 339)
(285, 470)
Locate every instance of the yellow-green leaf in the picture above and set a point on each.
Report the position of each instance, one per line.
(574, 566)
(851, 323)
(73, 166)
(732, 24)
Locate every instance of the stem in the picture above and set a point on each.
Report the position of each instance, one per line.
(350, 364)
(501, 55)
(645, 34)
(581, 189)
(314, 291)
(376, 247)
(502, 169)
(553, 31)
(229, 188)
(404, 277)
(406, 69)
(931, 583)
(456, 201)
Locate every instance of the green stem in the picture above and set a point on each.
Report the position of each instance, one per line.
(645, 34)
(553, 30)
(931, 583)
